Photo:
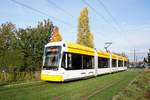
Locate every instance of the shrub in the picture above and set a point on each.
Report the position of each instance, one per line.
(18, 76)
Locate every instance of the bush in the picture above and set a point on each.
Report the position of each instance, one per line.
(9, 77)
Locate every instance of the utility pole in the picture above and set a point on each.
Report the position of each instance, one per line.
(134, 58)
(148, 58)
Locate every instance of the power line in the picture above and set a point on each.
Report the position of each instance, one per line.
(36, 10)
(108, 12)
(43, 13)
(99, 14)
(60, 8)
(95, 10)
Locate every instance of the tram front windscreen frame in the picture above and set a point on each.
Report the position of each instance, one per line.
(51, 58)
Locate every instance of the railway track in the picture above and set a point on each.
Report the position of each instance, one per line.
(98, 90)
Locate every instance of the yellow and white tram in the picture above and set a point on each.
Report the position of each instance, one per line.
(63, 61)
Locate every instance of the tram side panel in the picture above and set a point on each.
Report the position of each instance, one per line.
(78, 74)
(77, 66)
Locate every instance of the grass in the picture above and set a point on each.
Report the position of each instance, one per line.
(138, 89)
(100, 88)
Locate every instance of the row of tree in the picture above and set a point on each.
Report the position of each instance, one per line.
(22, 49)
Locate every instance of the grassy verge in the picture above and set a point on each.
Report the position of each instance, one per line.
(17, 77)
(138, 89)
(100, 88)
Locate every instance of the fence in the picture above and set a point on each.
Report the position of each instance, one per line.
(8, 77)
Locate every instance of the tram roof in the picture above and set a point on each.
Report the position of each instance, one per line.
(90, 51)
(77, 48)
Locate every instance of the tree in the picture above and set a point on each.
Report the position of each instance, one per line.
(24, 44)
(8, 57)
(31, 43)
(40, 40)
(55, 36)
(84, 36)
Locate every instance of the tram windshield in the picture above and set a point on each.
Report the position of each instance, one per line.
(51, 58)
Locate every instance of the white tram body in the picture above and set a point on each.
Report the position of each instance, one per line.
(64, 61)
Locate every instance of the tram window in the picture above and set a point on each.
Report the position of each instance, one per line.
(125, 63)
(63, 63)
(114, 63)
(69, 60)
(120, 63)
(87, 62)
(100, 63)
(74, 61)
(103, 62)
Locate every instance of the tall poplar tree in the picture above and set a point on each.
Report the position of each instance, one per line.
(84, 36)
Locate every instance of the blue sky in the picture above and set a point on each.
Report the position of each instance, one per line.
(132, 16)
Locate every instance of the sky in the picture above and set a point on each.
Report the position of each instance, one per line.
(125, 23)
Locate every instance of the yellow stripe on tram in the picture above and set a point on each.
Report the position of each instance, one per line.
(56, 78)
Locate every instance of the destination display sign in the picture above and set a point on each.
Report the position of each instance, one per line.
(52, 49)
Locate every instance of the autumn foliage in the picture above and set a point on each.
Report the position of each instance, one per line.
(55, 36)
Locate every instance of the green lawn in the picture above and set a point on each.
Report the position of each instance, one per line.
(138, 89)
(100, 88)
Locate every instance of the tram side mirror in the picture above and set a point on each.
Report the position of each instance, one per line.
(64, 45)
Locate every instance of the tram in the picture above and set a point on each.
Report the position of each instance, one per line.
(65, 61)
